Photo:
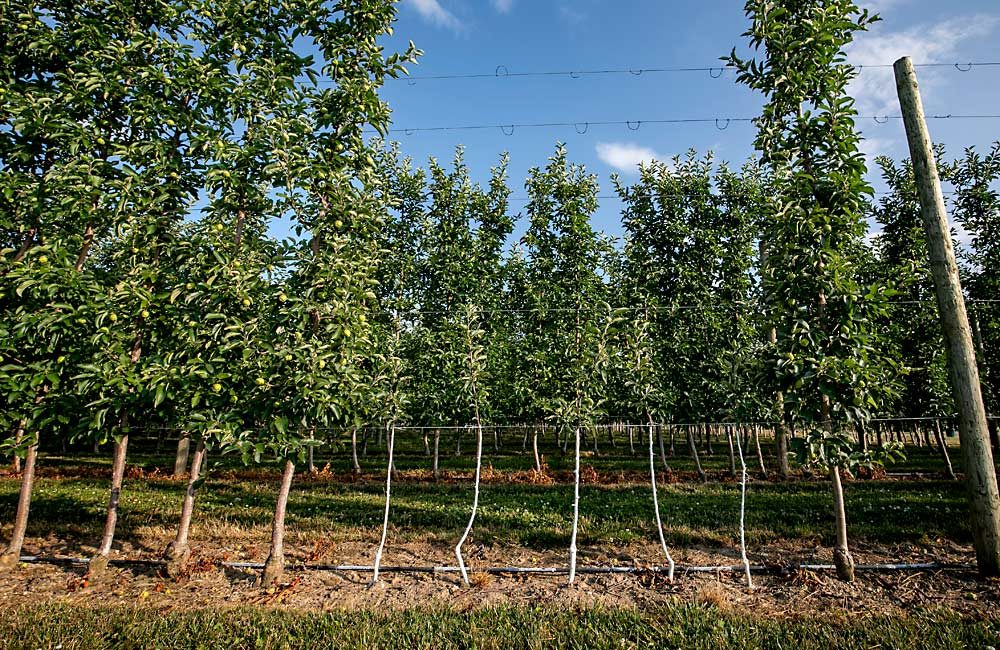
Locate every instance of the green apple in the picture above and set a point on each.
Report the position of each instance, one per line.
(261, 381)
(144, 313)
(60, 359)
(113, 317)
(217, 227)
(246, 302)
(282, 297)
(43, 259)
(216, 387)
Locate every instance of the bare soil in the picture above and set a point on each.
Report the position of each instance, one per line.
(207, 584)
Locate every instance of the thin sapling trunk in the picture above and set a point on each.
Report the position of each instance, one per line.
(274, 568)
(179, 551)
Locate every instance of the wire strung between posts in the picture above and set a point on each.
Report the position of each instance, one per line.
(634, 125)
(653, 308)
(503, 72)
(528, 199)
(743, 510)
(388, 494)
(656, 507)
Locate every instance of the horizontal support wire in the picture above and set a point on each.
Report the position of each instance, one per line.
(608, 422)
(510, 127)
(526, 199)
(593, 570)
(503, 72)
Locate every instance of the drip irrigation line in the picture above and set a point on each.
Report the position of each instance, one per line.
(721, 123)
(715, 72)
(592, 570)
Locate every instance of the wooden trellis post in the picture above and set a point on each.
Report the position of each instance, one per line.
(980, 475)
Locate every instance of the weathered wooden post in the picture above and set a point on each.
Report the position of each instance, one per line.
(980, 475)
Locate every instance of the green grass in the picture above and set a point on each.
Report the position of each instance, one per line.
(689, 626)
(530, 515)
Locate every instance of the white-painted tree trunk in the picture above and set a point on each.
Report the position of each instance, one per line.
(388, 496)
(656, 506)
(576, 510)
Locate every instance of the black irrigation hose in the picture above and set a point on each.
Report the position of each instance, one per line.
(774, 569)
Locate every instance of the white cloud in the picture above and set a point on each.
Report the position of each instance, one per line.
(875, 88)
(624, 156)
(872, 147)
(882, 6)
(503, 6)
(432, 11)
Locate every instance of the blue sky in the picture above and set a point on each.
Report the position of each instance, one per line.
(477, 36)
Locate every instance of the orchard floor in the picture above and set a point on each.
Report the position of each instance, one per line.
(335, 518)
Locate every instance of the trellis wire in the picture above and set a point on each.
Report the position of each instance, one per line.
(656, 506)
(388, 494)
(503, 72)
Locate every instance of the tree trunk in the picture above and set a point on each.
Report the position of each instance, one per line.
(179, 551)
(274, 568)
(100, 561)
(663, 453)
(760, 454)
(181, 461)
(12, 555)
(943, 446)
(732, 451)
(437, 453)
(354, 451)
(534, 450)
(694, 454)
(842, 558)
(576, 509)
